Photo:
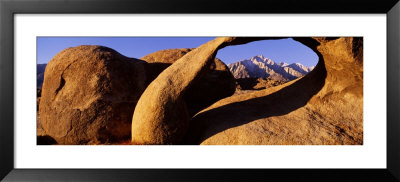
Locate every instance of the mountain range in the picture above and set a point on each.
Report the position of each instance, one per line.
(262, 67)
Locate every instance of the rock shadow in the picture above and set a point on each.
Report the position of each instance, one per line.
(284, 101)
(45, 140)
(247, 83)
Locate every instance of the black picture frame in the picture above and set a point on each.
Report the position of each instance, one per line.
(9, 8)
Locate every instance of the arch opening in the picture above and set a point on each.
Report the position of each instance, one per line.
(263, 64)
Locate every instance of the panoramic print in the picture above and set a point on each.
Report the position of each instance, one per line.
(199, 90)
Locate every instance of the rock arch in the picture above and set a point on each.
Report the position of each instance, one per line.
(316, 111)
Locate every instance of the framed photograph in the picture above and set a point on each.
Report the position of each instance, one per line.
(200, 91)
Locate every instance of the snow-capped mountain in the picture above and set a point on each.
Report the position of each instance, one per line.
(262, 67)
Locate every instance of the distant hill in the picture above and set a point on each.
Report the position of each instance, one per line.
(262, 67)
(40, 74)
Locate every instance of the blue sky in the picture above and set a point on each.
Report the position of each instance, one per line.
(284, 50)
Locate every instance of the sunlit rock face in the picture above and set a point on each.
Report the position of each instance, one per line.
(89, 94)
(323, 107)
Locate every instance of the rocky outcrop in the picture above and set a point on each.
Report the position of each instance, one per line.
(89, 94)
(216, 84)
(311, 110)
(323, 107)
(168, 56)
